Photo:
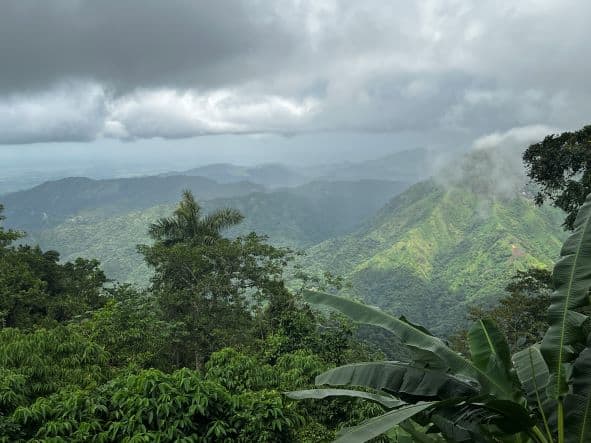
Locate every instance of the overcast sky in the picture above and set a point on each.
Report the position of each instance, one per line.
(114, 75)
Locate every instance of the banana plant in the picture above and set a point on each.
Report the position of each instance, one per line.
(541, 394)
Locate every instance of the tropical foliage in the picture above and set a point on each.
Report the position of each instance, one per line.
(439, 247)
(89, 360)
(207, 349)
(540, 394)
(36, 289)
(560, 165)
(521, 316)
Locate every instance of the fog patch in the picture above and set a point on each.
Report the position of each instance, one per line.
(493, 167)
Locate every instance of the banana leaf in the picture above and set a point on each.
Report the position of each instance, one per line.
(410, 336)
(378, 425)
(400, 379)
(490, 353)
(577, 404)
(482, 420)
(533, 374)
(572, 280)
(385, 400)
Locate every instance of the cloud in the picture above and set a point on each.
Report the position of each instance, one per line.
(168, 113)
(514, 139)
(181, 68)
(493, 168)
(70, 112)
(136, 43)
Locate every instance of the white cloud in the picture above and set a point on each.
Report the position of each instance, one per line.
(174, 114)
(515, 139)
(494, 168)
(70, 112)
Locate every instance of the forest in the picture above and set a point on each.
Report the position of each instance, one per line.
(482, 330)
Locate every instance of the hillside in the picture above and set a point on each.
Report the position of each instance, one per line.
(437, 248)
(295, 217)
(53, 202)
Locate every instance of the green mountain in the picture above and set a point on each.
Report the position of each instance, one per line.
(295, 217)
(437, 248)
(54, 202)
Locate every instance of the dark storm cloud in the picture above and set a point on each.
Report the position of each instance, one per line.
(136, 43)
(131, 69)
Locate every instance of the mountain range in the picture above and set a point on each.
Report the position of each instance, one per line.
(441, 244)
(294, 217)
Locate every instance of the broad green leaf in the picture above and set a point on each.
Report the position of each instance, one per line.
(511, 417)
(572, 280)
(400, 379)
(490, 353)
(533, 374)
(419, 434)
(482, 419)
(577, 404)
(453, 429)
(409, 335)
(385, 400)
(378, 425)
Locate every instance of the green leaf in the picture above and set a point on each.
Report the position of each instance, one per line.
(409, 335)
(572, 280)
(480, 419)
(385, 400)
(490, 353)
(378, 425)
(577, 404)
(400, 379)
(533, 374)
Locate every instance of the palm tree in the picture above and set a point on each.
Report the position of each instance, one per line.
(188, 225)
(541, 394)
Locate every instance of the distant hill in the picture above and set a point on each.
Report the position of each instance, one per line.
(271, 175)
(409, 166)
(295, 217)
(54, 202)
(437, 248)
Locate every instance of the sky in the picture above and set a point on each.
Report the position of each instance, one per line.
(182, 81)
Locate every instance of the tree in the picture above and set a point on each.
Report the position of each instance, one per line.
(561, 165)
(187, 225)
(521, 316)
(540, 394)
(131, 328)
(7, 237)
(35, 289)
(208, 284)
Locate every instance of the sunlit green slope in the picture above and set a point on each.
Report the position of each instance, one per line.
(434, 249)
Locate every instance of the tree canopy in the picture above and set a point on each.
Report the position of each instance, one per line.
(561, 165)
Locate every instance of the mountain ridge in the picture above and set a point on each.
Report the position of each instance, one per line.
(53, 202)
(442, 245)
